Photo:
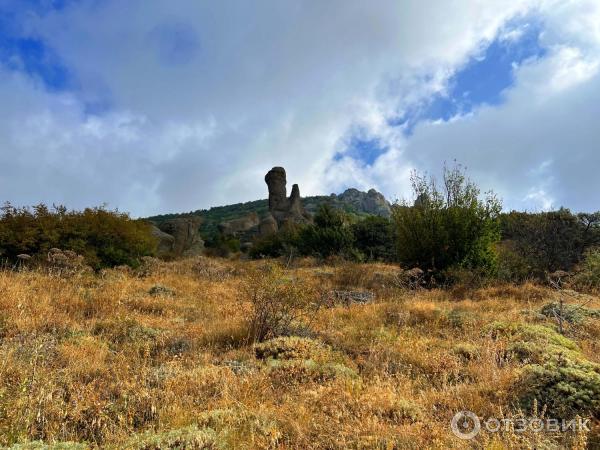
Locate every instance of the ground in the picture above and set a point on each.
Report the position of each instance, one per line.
(161, 357)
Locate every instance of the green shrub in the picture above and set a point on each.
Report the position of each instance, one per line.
(287, 372)
(105, 238)
(329, 235)
(588, 276)
(222, 246)
(449, 227)
(467, 352)
(550, 241)
(566, 387)
(556, 375)
(573, 314)
(283, 243)
(374, 238)
(190, 438)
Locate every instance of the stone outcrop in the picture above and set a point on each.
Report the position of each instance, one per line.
(371, 202)
(282, 209)
(179, 237)
(239, 226)
(268, 225)
(165, 241)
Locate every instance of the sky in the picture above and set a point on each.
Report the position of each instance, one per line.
(176, 105)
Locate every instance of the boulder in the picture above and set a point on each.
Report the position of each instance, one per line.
(371, 202)
(268, 225)
(186, 237)
(240, 226)
(165, 241)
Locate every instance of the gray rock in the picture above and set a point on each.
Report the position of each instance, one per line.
(371, 202)
(165, 241)
(283, 209)
(268, 225)
(186, 240)
(236, 227)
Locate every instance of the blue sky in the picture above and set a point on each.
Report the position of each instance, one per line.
(166, 106)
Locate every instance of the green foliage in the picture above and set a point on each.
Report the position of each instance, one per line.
(222, 246)
(283, 243)
(574, 314)
(566, 387)
(374, 237)
(329, 235)
(588, 276)
(550, 241)
(449, 227)
(105, 238)
(556, 375)
(190, 438)
(467, 352)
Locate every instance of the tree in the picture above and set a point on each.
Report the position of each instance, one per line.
(329, 235)
(553, 240)
(447, 227)
(374, 238)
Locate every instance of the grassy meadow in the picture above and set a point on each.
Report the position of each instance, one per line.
(183, 355)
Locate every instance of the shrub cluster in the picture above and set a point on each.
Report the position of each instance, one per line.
(546, 242)
(104, 238)
(555, 375)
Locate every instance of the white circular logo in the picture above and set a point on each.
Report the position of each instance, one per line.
(465, 425)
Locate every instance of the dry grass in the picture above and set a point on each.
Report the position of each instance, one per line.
(97, 359)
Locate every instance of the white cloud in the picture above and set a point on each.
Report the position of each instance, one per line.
(206, 96)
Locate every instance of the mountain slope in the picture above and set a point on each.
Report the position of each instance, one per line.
(352, 201)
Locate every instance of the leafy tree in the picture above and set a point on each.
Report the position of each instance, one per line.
(550, 241)
(374, 238)
(329, 235)
(447, 227)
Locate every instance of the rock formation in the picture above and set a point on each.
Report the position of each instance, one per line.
(236, 226)
(282, 209)
(179, 237)
(371, 202)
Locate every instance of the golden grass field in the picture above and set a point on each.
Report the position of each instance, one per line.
(96, 360)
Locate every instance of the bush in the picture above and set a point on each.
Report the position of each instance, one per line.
(556, 375)
(104, 238)
(588, 276)
(283, 243)
(573, 314)
(222, 246)
(374, 238)
(447, 228)
(566, 387)
(329, 235)
(550, 241)
(278, 303)
(190, 438)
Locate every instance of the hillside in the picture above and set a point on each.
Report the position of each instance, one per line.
(352, 201)
(160, 358)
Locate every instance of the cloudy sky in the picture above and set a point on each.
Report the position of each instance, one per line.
(156, 106)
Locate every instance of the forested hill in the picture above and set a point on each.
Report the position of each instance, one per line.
(351, 201)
